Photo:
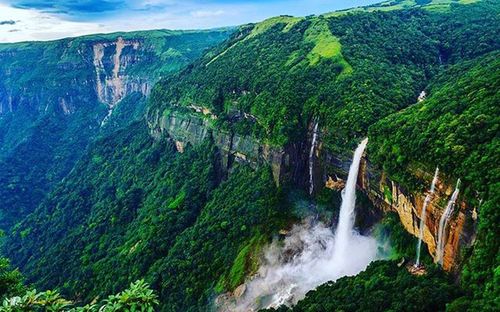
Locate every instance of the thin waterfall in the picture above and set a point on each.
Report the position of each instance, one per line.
(347, 214)
(311, 156)
(422, 215)
(443, 223)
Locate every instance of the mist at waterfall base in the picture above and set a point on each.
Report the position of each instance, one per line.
(303, 261)
(310, 255)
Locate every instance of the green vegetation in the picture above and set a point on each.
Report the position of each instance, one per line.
(138, 206)
(383, 286)
(49, 110)
(111, 205)
(455, 128)
(11, 281)
(245, 264)
(289, 70)
(392, 5)
(325, 44)
(403, 245)
(138, 297)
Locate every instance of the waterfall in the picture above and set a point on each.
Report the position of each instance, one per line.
(311, 157)
(347, 215)
(422, 216)
(443, 222)
(309, 256)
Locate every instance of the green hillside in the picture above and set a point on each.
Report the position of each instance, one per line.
(132, 201)
(279, 72)
(50, 109)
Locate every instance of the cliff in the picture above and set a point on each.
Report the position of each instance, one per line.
(389, 196)
(289, 165)
(195, 124)
(113, 82)
(57, 96)
(69, 72)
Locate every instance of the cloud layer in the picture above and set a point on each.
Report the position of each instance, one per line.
(50, 19)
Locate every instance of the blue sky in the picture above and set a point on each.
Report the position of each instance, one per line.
(48, 19)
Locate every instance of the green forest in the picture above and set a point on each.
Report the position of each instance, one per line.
(123, 216)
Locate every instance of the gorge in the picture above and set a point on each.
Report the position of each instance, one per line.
(215, 168)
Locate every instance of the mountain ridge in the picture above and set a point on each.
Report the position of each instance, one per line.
(188, 195)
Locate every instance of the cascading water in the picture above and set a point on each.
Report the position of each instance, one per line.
(443, 222)
(422, 215)
(309, 256)
(344, 231)
(311, 156)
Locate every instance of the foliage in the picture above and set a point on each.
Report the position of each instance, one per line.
(50, 112)
(455, 128)
(138, 206)
(239, 210)
(134, 207)
(11, 282)
(138, 297)
(291, 70)
(383, 286)
(33, 301)
(402, 244)
(481, 273)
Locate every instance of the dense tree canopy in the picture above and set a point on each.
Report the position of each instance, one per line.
(136, 206)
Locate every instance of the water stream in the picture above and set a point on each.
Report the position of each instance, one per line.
(443, 223)
(423, 216)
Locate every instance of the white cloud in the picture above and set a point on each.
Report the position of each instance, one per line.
(206, 13)
(35, 25)
(155, 14)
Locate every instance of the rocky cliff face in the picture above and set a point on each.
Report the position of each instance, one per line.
(111, 59)
(70, 73)
(289, 164)
(194, 124)
(56, 96)
(389, 196)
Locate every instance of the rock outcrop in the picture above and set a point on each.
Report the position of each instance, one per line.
(389, 196)
(193, 124)
(111, 59)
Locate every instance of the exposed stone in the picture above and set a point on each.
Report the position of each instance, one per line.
(289, 164)
(239, 291)
(179, 146)
(111, 87)
(283, 232)
(335, 184)
(419, 271)
(193, 128)
(409, 207)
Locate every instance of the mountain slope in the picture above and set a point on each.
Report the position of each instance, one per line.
(457, 129)
(135, 205)
(349, 71)
(171, 200)
(56, 96)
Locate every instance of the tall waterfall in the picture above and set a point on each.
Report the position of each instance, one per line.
(422, 215)
(443, 222)
(310, 255)
(314, 141)
(347, 214)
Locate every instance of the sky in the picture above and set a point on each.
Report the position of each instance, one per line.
(25, 20)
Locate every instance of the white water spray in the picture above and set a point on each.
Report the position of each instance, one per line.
(347, 216)
(309, 256)
(423, 215)
(311, 156)
(443, 223)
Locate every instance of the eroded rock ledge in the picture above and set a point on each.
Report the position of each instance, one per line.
(290, 164)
